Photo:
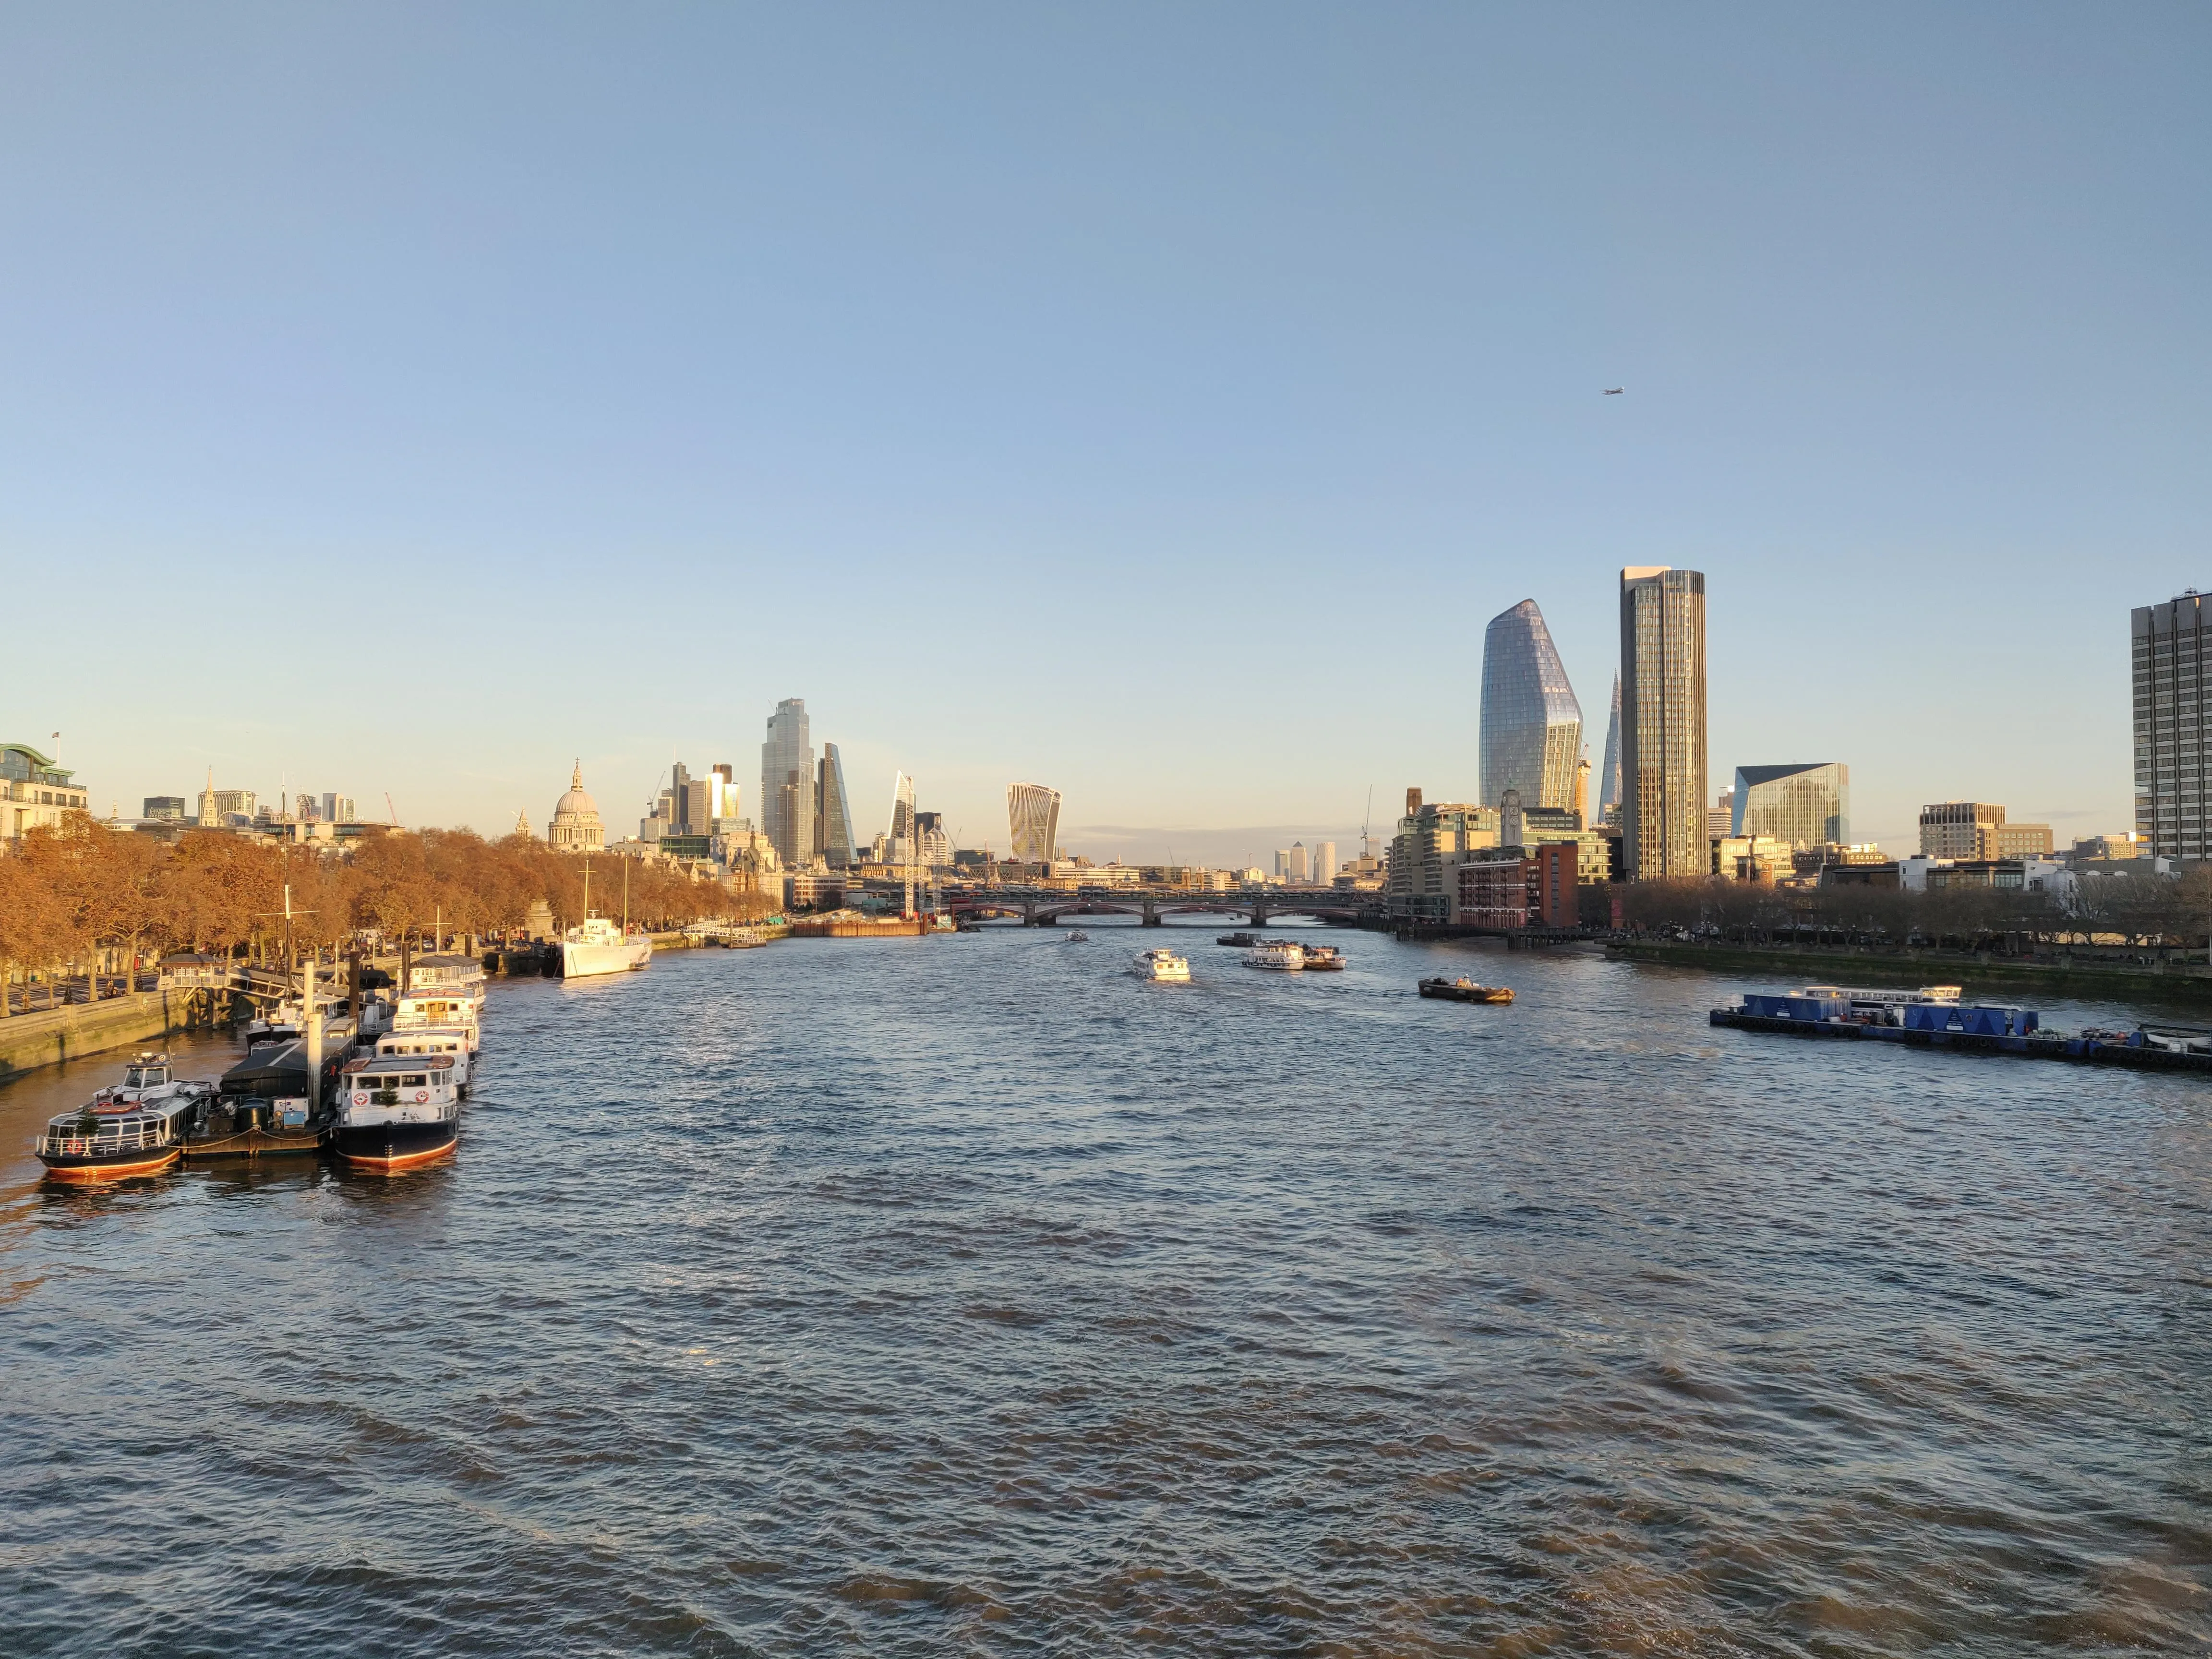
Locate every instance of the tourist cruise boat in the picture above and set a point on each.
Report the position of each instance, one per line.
(135, 1127)
(1284, 955)
(440, 1008)
(396, 1111)
(599, 946)
(1162, 968)
(1323, 955)
(431, 1040)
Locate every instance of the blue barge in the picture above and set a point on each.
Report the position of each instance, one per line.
(1974, 1029)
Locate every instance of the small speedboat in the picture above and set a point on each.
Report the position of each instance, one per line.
(1075, 936)
(1283, 956)
(1162, 968)
(136, 1127)
(1320, 957)
(1464, 989)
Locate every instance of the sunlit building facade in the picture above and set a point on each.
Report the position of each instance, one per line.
(2172, 663)
(1662, 723)
(1532, 726)
(1807, 806)
(1033, 817)
(833, 812)
(1608, 793)
(787, 784)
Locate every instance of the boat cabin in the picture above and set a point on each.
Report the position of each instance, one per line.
(407, 1086)
(451, 1041)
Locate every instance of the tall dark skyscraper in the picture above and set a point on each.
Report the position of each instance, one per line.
(1532, 726)
(1662, 722)
(787, 784)
(2172, 662)
(833, 813)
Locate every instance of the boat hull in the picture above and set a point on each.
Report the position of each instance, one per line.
(386, 1148)
(83, 1169)
(1448, 992)
(584, 961)
(255, 1143)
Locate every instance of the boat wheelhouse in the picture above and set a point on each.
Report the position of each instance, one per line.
(134, 1127)
(431, 1040)
(1282, 954)
(396, 1111)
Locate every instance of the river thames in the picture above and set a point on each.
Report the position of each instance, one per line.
(968, 1295)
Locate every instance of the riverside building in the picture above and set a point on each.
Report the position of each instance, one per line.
(2173, 672)
(1807, 805)
(1662, 722)
(33, 790)
(1976, 829)
(1532, 726)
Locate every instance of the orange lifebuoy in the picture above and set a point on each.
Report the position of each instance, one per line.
(422, 1095)
(361, 1100)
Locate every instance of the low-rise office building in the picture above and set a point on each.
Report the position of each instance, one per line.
(33, 790)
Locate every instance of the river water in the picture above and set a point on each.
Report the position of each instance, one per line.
(966, 1294)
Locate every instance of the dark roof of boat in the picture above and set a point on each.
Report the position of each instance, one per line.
(269, 1062)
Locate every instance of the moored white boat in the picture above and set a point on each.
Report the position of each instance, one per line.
(453, 1041)
(1162, 968)
(599, 946)
(398, 1111)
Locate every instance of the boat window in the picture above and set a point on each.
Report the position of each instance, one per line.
(413, 1081)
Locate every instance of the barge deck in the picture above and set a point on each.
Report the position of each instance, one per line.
(2081, 1050)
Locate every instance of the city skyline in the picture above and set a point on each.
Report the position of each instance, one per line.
(1200, 353)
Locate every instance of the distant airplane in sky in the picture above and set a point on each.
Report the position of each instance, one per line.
(1613, 390)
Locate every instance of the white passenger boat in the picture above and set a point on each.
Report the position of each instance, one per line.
(135, 1127)
(1162, 968)
(440, 1008)
(396, 1111)
(599, 946)
(1282, 954)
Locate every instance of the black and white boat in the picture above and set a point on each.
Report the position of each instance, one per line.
(134, 1127)
(396, 1111)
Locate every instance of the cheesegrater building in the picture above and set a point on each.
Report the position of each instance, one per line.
(1662, 723)
(1532, 726)
(2173, 664)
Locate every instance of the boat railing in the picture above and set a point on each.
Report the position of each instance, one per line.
(63, 1143)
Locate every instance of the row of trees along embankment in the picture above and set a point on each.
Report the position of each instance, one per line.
(2123, 910)
(81, 899)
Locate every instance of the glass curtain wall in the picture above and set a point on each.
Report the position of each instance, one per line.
(1033, 816)
(1532, 726)
(1807, 806)
(787, 784)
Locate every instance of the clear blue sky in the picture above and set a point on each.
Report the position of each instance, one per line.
(1155, 401)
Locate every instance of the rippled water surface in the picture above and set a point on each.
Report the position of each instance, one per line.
(966, 1294)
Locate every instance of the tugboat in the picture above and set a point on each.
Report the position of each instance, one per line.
(1239, 941)
(396, 1111)
(1320, 957)
(1162, 968)
(1464, 989)
(1284, 955)
(136, 1127)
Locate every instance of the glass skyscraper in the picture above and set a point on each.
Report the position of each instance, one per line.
(833, 813)
(1662, 723)
(1805, 805)
(2173, 650)
(1532, 726)
(1033, 815)
(787, 784)
(1608, 790)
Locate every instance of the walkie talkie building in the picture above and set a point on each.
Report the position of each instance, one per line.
(1532, 726)
(1033, 816)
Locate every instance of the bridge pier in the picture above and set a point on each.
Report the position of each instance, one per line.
(1028, 913)
(1151, 915)
(1259, 913)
